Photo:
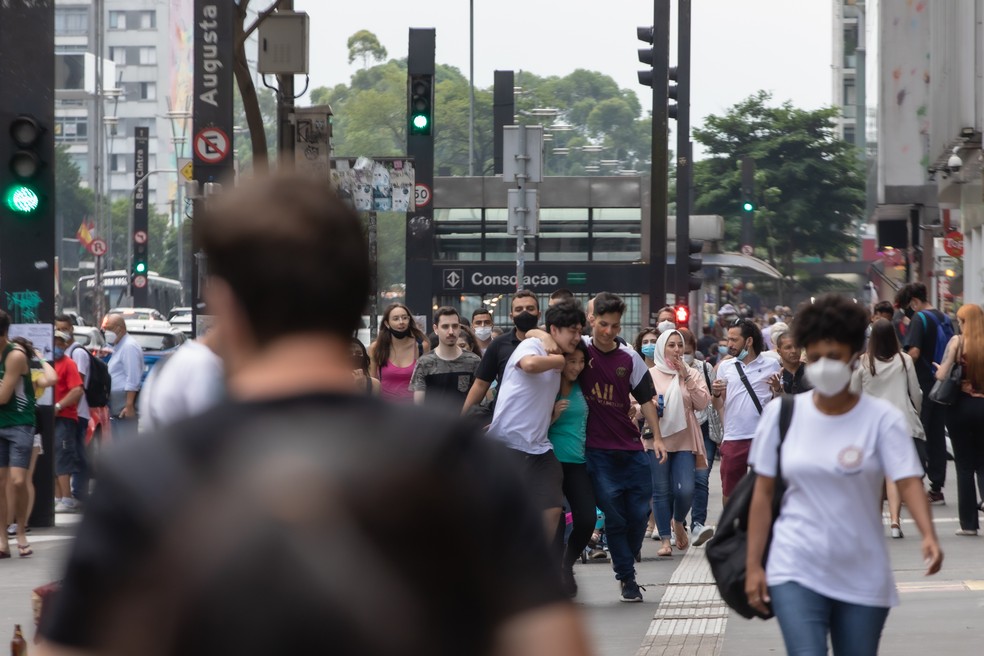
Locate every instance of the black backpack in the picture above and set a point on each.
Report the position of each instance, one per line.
(98, 383)
(727, 550)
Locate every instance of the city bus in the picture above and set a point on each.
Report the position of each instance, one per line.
(162, 293)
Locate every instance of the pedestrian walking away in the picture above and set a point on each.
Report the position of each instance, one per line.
(838, 450)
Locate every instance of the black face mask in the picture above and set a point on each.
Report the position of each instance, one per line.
(908, 312)
(400, 334)
(524, 322)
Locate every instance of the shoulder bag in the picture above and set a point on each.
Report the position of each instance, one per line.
(727, 550)
(748, 386)
(946, 391)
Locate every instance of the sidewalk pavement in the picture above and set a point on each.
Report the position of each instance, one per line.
(682, 614)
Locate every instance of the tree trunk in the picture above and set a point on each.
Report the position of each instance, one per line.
(251, 103)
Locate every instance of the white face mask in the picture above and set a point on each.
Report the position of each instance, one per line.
(664, 326)
(483, 332)
(110, 337)
(688, 358)
(828, 377)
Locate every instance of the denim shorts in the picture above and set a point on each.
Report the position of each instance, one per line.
(16, 444)
(66, 453)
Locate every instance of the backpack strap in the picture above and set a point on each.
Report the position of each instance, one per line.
(707, 378)
(785, 419)
(748, 386)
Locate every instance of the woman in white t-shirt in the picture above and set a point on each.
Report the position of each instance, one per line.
(828, 571)
(886, 372)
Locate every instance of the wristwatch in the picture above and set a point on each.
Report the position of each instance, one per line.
(58, 407)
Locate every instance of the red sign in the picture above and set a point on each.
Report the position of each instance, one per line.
(139, 281)
(98, 247)
(140, 237)
(211, 145)
(953, 244)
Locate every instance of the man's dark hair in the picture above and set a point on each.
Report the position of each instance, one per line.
(606, 303)
(748, 329)
(917, 290)
(564, 315)
(479, 311)
(64, 318)
(830, 317)
(445, 311)
(562, 295)
(885, 308)
(4, 323)
(524, 293)
(902, 297)
(293, 253)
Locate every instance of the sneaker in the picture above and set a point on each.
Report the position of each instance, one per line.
(598, 554)
(648, 534)
(936, 498)
(631, 591)
(699, 534)
(897, 531)
(68, 505)
(568, 582)
(969, 532)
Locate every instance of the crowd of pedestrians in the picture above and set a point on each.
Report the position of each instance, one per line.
(572, 438)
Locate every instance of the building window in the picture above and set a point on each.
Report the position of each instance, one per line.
(850, 46)
(148, 56)
(71, 21)
(458, 234)
(118, 55)
(117, 20)
(148, 91)
(563, 235)
(148, 20)
(616, 234)
(849, 134)
(71, 129)
(117, 163)
(850, 99)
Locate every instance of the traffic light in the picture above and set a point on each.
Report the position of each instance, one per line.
(695, 263)
(748, 185)
(682, 315)
(673, 91)
(421, 104)
(646, 34)
(24, 194)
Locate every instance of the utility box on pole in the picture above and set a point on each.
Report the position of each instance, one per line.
(283, 50)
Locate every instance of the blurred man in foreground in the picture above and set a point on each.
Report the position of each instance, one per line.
(267, 524)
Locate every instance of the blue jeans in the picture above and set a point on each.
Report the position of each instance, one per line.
(806, 618)
(80, 479)
(623, 487)
(698, 514)
(673, 489)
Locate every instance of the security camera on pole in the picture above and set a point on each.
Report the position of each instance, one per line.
(522, 161)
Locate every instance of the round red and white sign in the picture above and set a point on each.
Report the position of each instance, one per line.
(747, 250)
(140, 237)
(953, 244)
(98, 247)
(211, 145)
(139, 281)
(421, 195)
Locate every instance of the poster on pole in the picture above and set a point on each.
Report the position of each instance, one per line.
(312, 141)
(382, 184)
(42, 336)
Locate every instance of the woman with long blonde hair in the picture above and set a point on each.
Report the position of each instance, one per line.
(966, 416)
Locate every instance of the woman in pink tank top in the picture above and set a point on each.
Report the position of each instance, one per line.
(394, 353)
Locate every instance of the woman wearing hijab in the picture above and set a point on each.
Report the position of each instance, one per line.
(681, 391)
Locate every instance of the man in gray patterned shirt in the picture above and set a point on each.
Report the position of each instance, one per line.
(445, 374)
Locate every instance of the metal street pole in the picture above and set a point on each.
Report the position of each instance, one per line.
(660, 159)
(684, 165)
(521, 178)
(471, 88)
(285, 107)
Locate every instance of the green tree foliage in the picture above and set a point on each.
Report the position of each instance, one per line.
(370, 115)
(73, 204)
(366, 46)
(242, 144)
(809, 183)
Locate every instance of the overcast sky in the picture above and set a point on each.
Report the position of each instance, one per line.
(739, 46)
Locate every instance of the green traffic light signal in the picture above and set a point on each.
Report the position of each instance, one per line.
(22, 199)
(748, 206)
(140, 268)
(420, 122)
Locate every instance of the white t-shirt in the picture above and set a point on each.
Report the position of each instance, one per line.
(186, 384)
(81, 358)
(829, 536)
(740, 415)
(525, 403)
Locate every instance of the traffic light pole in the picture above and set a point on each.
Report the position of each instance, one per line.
(684, 165)
(420, 225)
(658, 192)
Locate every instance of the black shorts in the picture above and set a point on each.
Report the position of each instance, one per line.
(544, 478)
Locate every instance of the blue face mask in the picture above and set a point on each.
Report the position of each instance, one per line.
(59, 353)
(649, 350)
(743, 354)
(722, 350)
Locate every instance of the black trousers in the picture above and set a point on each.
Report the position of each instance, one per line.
(581, 501)
(933, 421)
(965, 420)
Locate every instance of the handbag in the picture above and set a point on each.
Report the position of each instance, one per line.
(727, 550)
(946, 391)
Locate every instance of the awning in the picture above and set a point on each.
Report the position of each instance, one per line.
(735, 261)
